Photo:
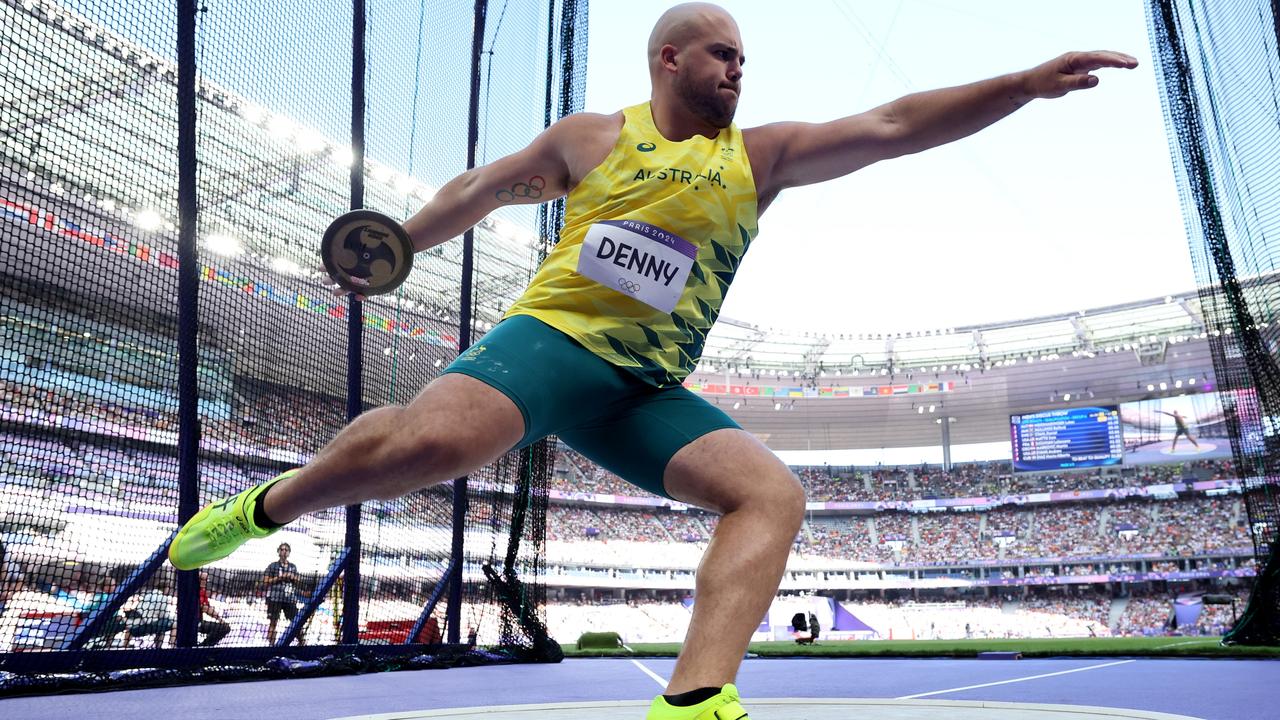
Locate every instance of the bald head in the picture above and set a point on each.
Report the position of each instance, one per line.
(695, 63)
(683, 24)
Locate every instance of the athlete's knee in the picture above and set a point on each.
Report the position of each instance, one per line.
(404, 454)
(434, 452)
(778, 494)
(790, 500)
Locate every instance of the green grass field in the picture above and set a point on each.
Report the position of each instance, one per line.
(1091, 647)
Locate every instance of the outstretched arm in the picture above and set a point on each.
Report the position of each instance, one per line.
(537, 174)
(790, 154)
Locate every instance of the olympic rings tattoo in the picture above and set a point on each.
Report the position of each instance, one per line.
(630, 286)
(531, 190)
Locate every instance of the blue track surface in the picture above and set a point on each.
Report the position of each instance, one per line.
(1211, 689)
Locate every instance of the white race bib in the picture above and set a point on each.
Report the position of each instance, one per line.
(638, 259)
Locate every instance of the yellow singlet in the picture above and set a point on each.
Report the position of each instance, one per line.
(651, 240)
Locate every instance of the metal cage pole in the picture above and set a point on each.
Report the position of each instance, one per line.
(355, 322)
(453, 616)
(188, 313)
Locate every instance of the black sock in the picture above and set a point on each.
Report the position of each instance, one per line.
(693, 697)
(260, 516)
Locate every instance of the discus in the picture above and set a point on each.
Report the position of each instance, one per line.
(367, 252)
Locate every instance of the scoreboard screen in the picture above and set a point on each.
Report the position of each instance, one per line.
(1067, 438)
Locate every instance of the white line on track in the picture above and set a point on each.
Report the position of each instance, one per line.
(656, 677)
(1014, 680)
(1184, 642)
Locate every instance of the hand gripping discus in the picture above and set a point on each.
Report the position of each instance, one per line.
(367, 252)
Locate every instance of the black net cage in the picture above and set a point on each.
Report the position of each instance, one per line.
(1219, 74)
(166, 173)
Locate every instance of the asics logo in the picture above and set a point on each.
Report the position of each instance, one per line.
(630, 286)
(219, 534)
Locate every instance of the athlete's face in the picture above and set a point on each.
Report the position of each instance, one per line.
(710, 77)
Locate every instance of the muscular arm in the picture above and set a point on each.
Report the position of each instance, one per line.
(539, 173)
(790, 154)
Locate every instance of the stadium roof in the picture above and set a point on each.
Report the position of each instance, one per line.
(1084, 332)
(90, 116)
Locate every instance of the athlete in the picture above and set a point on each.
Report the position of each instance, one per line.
(663, 199)
(1181, 430)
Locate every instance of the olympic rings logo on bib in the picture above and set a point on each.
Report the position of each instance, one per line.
(640, 260)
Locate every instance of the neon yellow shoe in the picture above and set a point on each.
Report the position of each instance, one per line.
(216, 531)
(721, 706)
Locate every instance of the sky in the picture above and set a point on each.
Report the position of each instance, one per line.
(1068, 204)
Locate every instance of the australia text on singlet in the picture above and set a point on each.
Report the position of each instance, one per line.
(651, 241)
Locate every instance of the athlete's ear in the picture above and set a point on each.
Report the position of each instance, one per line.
(668, 56)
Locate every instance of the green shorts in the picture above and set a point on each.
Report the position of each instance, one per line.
(611, 416)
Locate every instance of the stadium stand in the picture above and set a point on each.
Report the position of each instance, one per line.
(610, 552)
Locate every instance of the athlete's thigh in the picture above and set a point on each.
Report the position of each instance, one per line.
(637, 441)
(730, 468)
(541, 378)
(490, 399)
(462, 422)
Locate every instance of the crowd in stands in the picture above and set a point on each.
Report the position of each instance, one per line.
(1217, 619)
(576, 473)
(1195, 526)
(1066, 531)
(1175, 528)
(1094, 610)
(91, 470)
(101, 474)
(1144, 616)
(1180, 527)
(843, 537)
(19, 398)
(1084, 613)
(235, 614)
(263, 416)
(1051, 531)
(950, 619)
(573, 523)
(570, 523)
(269, 417)
(1152, 614)
(943, 539)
